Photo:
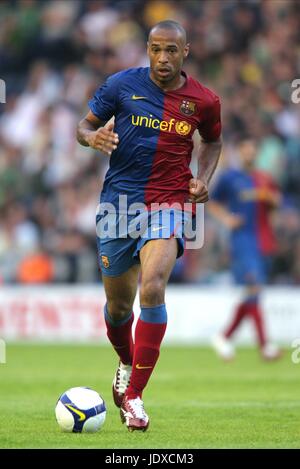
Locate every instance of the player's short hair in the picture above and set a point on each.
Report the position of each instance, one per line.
(171, 25)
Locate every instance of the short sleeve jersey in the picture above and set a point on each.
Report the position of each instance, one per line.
(155, 128)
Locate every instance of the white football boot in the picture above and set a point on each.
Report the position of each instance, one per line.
(223, 347)
(132, 413)
(271, 352)
(121, 382)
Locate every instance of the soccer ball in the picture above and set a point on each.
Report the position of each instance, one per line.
(80, 410)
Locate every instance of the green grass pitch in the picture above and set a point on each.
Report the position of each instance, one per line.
(193, 399)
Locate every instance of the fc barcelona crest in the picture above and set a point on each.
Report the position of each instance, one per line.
(187, 107)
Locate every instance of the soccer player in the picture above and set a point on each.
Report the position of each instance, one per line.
(156, 111)
(243, 200)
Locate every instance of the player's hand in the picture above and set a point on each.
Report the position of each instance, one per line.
(268, 196)
(233, 222)
(198, 191)
(104, 139)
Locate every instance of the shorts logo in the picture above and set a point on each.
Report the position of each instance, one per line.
(187, 107)
(105, 261)
(183, 128)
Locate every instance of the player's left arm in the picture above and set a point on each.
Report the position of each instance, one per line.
(208, 157)
(209, 153)
(270, 195)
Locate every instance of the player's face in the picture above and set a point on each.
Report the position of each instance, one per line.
(166, 51)
(248, 150)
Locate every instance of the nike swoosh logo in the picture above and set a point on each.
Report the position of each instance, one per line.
(158, 228)
(82, 416)
(140, 367)
(134, 96)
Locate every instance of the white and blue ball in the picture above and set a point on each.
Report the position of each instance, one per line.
(80, 410)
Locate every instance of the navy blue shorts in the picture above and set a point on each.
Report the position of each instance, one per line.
(250, 267)
(121, 237)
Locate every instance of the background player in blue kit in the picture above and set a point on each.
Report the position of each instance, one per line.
(156, 110)
(243, 200)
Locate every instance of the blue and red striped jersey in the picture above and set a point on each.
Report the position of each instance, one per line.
(239, 191)
(155, 128)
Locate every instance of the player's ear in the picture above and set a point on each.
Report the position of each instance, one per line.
(148, 47)
(186, 51)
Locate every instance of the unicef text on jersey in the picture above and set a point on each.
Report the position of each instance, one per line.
(154, 221)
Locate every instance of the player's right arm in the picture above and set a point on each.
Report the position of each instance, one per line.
(218, 204)
(222, 214)
(95, 133)
(96, 129)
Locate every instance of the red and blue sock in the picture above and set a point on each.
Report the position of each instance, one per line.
(249, 308)
(254, 311)
(239, 314)
(120, 335)
(150, 330)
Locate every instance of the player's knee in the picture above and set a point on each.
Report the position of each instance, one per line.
(152, 291)
(118, 309)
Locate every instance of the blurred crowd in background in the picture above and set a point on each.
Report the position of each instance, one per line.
(53, 56)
